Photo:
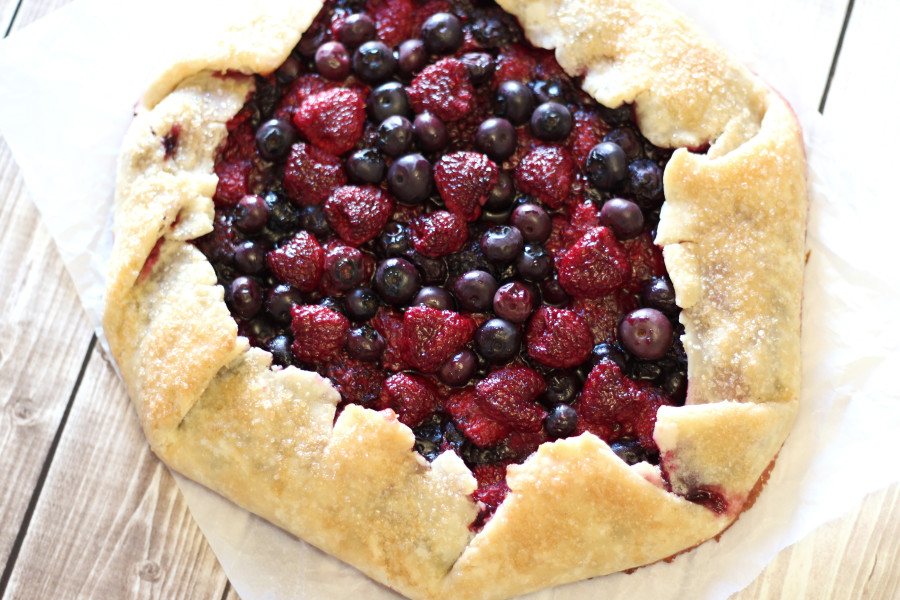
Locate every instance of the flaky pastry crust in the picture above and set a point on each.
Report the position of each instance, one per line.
(732, 229)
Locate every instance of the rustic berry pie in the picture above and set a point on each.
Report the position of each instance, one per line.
(480, 299)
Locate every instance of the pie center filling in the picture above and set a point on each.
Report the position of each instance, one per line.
(425, 209)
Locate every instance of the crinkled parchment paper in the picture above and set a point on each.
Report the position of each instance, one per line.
(67, 86)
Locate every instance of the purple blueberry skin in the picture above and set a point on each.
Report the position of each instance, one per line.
(646, 333)
(497, 138)
(498, 341)
(513, 302)
(274, 138)
(333, 61)
(606, 165)
(533, 221)
(459, 368)
(502, 244)
(252, 214)
(624, 217)
(410, 179)
(357, 29)
(431, 132)
(396, 280)
(364, 343)
(475, 290)
(434, 297)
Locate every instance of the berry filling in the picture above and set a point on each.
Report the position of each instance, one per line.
(428, 211)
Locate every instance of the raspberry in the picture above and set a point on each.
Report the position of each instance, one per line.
(393, 19)
(489, 473)
(566, 231)
(412, 397)
(389, 323)
(509, 395)
(514, 64)
(358, 213)
(464, 181)
(319, 333)
(558, 337)
(521, 444)
(612, 402)
(302, 88)
(333, 120)
(588, 129)
(428, 9)
(595, 266)
(443, 89)
(602, 315)
(547, 173)
(438, 233)
(357, 382)
(646, 261)
(298, 262)
(491, 496)
(431, 336)
(481, 429)
(311, 174)
(232, 185)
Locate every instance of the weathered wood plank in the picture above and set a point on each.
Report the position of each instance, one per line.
(128, 531)
(43, 339)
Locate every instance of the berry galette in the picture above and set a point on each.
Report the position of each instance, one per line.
(480, 299)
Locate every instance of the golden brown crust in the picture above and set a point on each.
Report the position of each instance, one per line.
(732, 230)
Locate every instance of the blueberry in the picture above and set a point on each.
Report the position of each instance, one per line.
(274, 138)
(498, 340)
(608, 352)
(674, 384)
(561, 421)
(280, 347)
(434, 297)
(246, 299)
(250, 257)
(332, 61)
(534, 263)
(475, 291)
(396, 280)
(627, 139)
(394, 136)
(459, 368)
(480, 66)
(442, 33)
(616, 116)
(334, 303)
(365, 343)
(502, 194)
(409, 179)
(644, 180)
(629, 449)
(251, 214)
(513, 302)
(553, 293)
(283, 216)
(551, 122)
(313, 220)
(345, 268)
(514, 101)
(497, 138)
(366, 166)
(361, 304)
(551, 91)
(659, 293)
(502, 244)
(357, 29)
(646, 333)
(387, 100)
(562, 387)
(280, 299)
(433, 271)
(431, 132)
(373, 61)
(606, 165)
(533, 221)
(411, 57)
(624, 217)
(645, 370)
(394, 239)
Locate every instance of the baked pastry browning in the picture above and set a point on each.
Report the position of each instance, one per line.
(283, 444)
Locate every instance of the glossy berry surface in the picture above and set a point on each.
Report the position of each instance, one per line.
(424, 209)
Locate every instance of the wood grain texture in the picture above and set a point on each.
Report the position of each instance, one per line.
(44, 335)
(128, 532)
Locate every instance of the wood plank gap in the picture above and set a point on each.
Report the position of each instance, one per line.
(226, 590)
(837, 54)
(32, 503)
(6, 34)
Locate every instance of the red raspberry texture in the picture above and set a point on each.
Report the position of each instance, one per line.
(319, 333)
(431, 336)
(509, 395)
(558, 337)
(438, 233)
(464, 181)
(595, 266)
(299, 262)
(333, 120)
(443, 89)
(358, 213)
(312, 174)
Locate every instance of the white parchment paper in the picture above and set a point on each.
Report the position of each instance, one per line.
(67, 85)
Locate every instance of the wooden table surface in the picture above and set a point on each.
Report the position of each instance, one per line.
(86, 511)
